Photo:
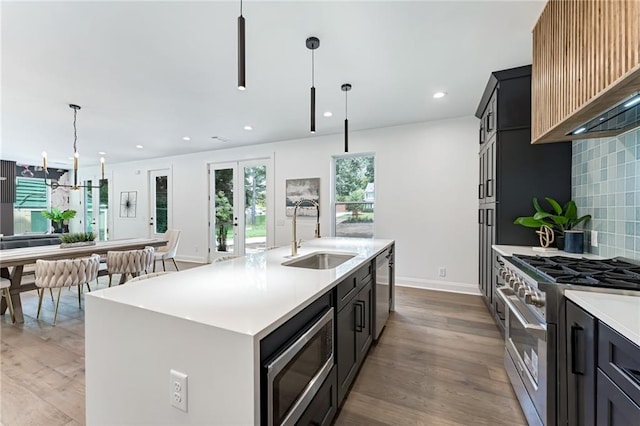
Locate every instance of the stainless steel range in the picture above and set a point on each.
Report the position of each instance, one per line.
(532, 291)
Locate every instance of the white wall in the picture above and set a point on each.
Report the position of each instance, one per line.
(426, 180)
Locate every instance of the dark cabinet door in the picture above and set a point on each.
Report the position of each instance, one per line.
(490, 171)
(324, 405)
(346, 349)
(614, 407)
(481, 250)
(489, 241)
(362, 318)
(482, 161)
(581, 366)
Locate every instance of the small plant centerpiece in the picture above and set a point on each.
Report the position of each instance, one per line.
(562, 219)
(77, 239)
(58, 218)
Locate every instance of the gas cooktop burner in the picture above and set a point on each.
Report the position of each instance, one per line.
(613, 273)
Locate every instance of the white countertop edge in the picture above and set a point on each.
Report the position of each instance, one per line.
(507, 250)
(620, 312)
(258, 332)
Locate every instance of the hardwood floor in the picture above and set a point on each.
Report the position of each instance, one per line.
(439, 362)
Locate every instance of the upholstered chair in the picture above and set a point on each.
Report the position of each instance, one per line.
(149, 275)
(169, 251)
(129, 262)
(4, 287)
(65, 273)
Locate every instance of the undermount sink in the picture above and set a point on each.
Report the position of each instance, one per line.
(320, 260)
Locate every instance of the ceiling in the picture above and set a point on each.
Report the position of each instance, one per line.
(151, 73)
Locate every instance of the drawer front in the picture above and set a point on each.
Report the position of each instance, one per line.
(324, 405)
(347, 289)
(613, 407)
(619, 358)
(364, 274)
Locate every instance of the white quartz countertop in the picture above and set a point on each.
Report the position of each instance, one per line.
(250, 295)
(529, 251)
(620, 312)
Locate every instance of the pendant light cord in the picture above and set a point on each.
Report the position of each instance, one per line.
(75, 132)
(345, 104)
(240, 7)
(313, 68)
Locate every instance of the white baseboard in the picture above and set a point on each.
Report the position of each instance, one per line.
(452, 287)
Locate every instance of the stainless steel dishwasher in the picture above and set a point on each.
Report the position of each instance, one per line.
(384, 283)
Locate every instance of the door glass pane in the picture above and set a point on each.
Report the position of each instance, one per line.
(223, 204)
(255, 189)
(161, 204)
(104, 209)
(88, 205)
(526, 345)
(355, 196)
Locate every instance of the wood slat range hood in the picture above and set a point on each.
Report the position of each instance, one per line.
(586, 60)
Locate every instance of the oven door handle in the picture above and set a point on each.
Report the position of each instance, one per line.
(536, 329)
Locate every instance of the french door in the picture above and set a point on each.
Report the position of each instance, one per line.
(239, 207)
(160, 202)
(96, 208)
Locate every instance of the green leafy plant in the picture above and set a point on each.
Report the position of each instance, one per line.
(58, 217)
(77, 237)
(224, 213)
(560, 218)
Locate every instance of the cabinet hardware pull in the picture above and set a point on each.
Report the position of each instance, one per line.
(488, 124)
(489, 187)
(489, 216)
(358, 316)
(480, 191)
(480, 217)
(577, 350)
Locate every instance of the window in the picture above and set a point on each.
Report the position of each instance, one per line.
(31, 200)
(354, 196)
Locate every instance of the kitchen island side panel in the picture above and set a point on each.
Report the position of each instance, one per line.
(129, 352)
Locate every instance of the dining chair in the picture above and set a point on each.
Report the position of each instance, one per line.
(4, 286)
(129, 262)
(65, 273)
(168, 251)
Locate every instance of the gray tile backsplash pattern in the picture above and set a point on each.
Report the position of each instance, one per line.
(605, 182)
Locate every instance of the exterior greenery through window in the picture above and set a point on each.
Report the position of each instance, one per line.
(355, 196)
(31, 200)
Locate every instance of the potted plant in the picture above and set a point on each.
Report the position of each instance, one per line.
(77, 239)
(561, 220)
(224, 214)
(58, 218)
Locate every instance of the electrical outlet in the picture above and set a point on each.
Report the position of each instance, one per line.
(594, 238)
(178, 390)
(442, 271)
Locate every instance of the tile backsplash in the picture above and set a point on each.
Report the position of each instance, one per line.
(605, 182)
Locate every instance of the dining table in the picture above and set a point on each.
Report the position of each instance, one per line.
(17, 258)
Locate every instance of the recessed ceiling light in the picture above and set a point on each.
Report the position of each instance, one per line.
(186, 138)
(580, 130)
(102, 153)
(328, 114)
(248, 128)
(139, 146)
(439, 95)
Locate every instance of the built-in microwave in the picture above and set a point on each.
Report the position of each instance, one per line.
(295, 373)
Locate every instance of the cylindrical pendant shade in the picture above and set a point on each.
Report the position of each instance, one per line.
(241, 54)
(346, 135)
(313, 110)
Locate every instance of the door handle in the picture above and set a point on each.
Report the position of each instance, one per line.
(577, 350)
(358, 316)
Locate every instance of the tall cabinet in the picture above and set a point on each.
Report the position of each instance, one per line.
(512, 172)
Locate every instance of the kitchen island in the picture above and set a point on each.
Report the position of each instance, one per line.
(206, 323)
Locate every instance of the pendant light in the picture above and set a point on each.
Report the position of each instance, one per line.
(76, 158)
(241, 52)
(312, 44)
(345, 88)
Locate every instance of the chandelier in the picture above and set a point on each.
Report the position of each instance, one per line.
(76, 156)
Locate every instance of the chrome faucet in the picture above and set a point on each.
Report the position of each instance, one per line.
(295, 243)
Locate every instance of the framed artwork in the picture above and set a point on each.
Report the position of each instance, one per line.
(302, 189)
(128, 202)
